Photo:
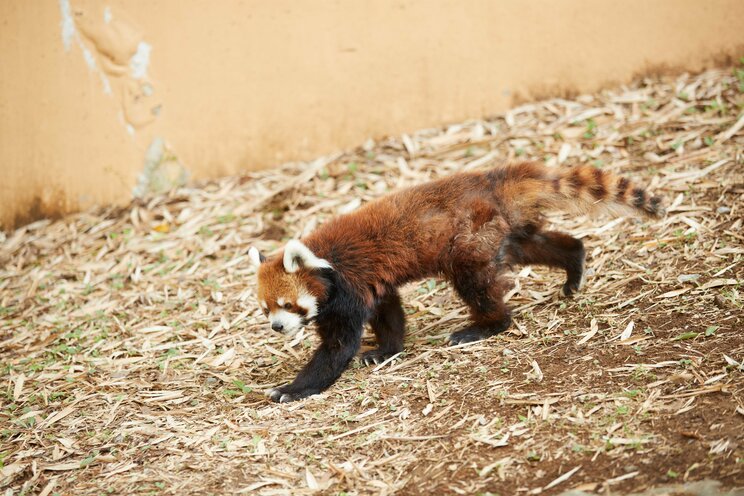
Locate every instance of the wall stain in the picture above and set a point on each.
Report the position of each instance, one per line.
(118, 47)
(37, 208)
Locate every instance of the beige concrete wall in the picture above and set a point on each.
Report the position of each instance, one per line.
(104, 99)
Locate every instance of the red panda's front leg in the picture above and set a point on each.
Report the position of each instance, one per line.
(389, 325)
(339, 346)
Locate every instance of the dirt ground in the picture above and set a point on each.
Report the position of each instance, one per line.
(134, 355)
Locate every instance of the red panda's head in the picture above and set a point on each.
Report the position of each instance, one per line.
(289, 287)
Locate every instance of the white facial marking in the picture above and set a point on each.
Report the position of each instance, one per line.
(290, 322)
(281, 302)
(309, 303)
(298, 255)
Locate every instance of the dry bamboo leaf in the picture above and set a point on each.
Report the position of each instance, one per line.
(628, 331)
(593, 329)
(562, 478)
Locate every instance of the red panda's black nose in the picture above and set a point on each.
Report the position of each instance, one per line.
(277, 326)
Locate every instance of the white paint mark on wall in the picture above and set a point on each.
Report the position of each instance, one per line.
(70, 34)
(162, 170)
(153, 157)
(68, 24)
(90, 61)
(140, 60)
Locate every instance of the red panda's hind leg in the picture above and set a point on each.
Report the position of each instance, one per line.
(389, 324)
(551, 248)
(483, 290)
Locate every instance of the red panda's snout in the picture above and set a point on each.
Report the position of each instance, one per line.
(287, 316)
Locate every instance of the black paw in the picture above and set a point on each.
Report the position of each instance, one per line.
(570, 288)
(285, 394)
(468, 335)
(575, 277)
(477, 333)
(376, 356)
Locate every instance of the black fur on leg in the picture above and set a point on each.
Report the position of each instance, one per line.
(389, 325)
(551, 248)
(482, 288)
(478, 333)
(326, 365)
(339, 323)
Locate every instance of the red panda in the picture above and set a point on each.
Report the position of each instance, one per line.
(468, 227)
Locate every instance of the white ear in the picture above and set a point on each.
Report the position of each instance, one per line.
(255, 256)
(297, 255)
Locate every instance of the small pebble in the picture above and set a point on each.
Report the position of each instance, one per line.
(723, 210)
(721, 302)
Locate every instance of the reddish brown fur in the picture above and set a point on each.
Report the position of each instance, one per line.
(467, 227)
(441, 226)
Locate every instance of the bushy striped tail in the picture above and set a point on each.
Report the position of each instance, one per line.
(592, 188)
(533, 188)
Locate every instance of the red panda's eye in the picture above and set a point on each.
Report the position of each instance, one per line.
(287, 306)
